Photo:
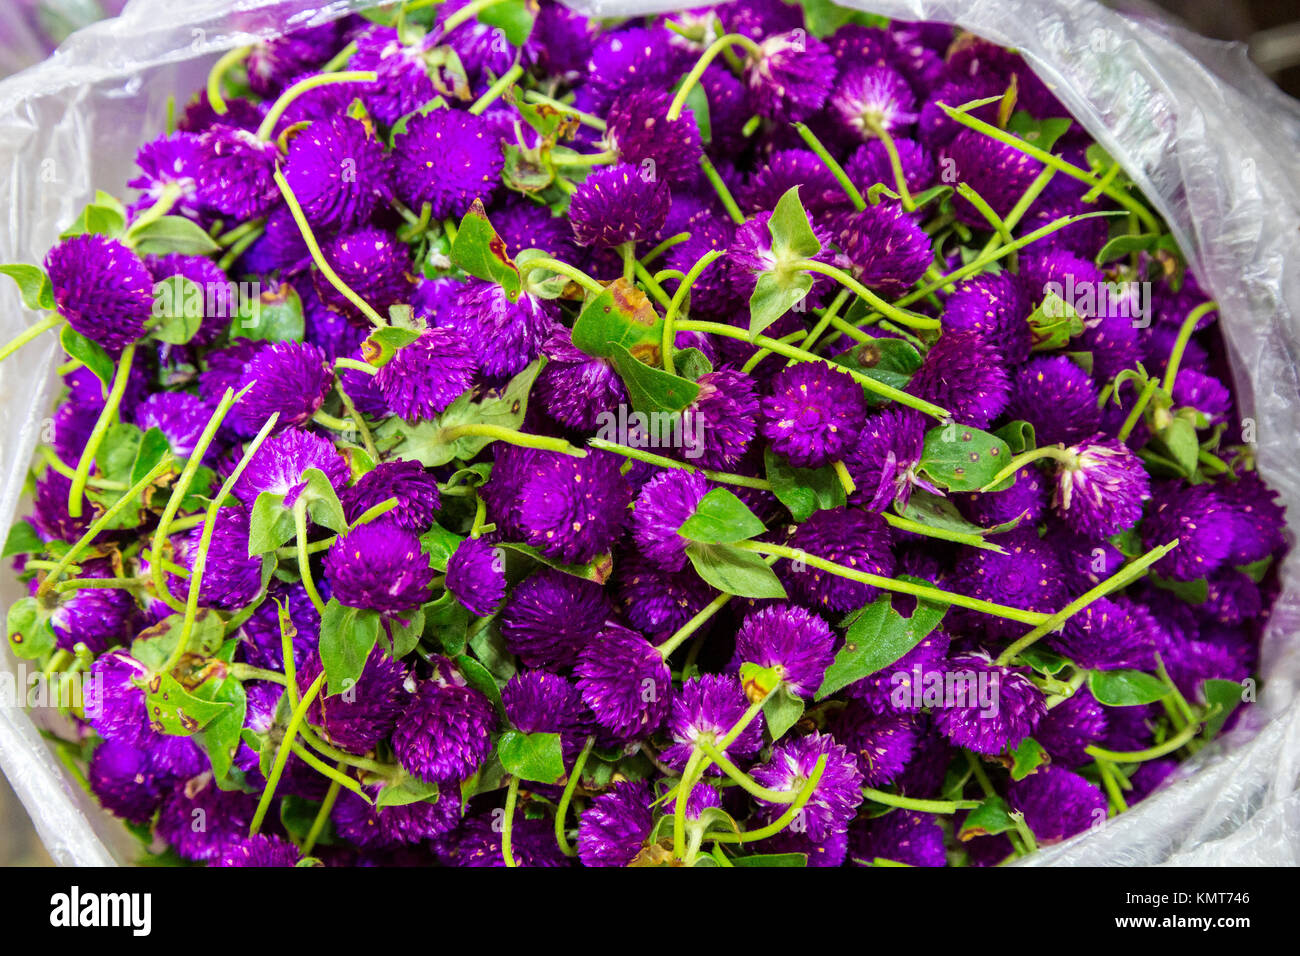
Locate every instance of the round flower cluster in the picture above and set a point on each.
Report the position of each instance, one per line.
(474, 439)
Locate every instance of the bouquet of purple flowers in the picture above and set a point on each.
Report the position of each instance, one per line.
(762, 435)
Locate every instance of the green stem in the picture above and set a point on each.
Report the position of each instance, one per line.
(340, 59)
(496, 89)
(911, 803)
(726, 478)
(373, 512)
(1121, 578)
(510, 435)
(689, 775)
(327, 270)
(1135, 415)
(797, 336)
(702, 64)
(652, 284)
(243, 672)
(322, 816)
(746, 782)
(1151, 753)
(876, 302)
(267, 128)
(836, 170)
(939, 534)
(351, 760)
(724, 194)
(1106, 769)
(675, 306)
(356, 365)
(508, 823)
(465, 14)
(783, 821)
(304, 560)
(966, 191)
(595, 122)
(282, 754)
(1184, 336)
(560, 268)
(367, 440)
(562, 808)
(664, 246)
(829, 316)
(1056, 452)
(325, 770)
(218, 72)
(690, 627)
(106, 417)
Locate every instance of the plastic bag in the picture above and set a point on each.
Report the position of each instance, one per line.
(1209, 140)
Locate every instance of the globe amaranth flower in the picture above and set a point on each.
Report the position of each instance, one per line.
(218, 300)
(1028, 575)
(529, 226)
(718, 426)
(966, 375)
(662, 506)
(444, 734)
(855, 539)
(1256, 519)
(96, 617)
(363, 714)
(885, 246)
(996, 307)
(561, 42)
(415, 489)
(836, 795)
(481, 47)
(630, 58)
(278, 466)
(226, 814)
(550, 616)
(625, 681)
(784, 169)
(258, 850)
(503, 335)
(113, 699)
(867, 99)
(288, 378)
(574, 509)
(1025, 499)
(50, 509)
(999, 173)
(658, 602)
(379, 566)
(618, 204)
(889, 446)
(447, 158)
(813, 414)
(577, 389)
(123, 781)
(425, 376)
(1058, 398)
(231, 578)
(235, 173)
(703, 796)
(403, 83)
(373, 264)
(708, 706)
(794, 641)
(639, 132)
(1069, 728)
(1209, 396)
(376, 827)
(260, 642)
(882, 743)
(870, 164)
(273, 64)
(476, 575)
(900, 687)
(1199, 519)
(537, 701)
(532, 842)
(901, 836)
(338, 172)
(831, 852)
(168, 165)
(1112, 632)
(612, 830)
(1100, 490)
(987, 708)
(1057, 803)
(790, 76)
(102, 288)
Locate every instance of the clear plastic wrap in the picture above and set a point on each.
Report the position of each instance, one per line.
(1206, 137)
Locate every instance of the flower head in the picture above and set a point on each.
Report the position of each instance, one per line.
(870, 98)
(625, 682)
(447, 158)
(376, 827)
(995, 306)
(836, 795)
(373, 264)
(1110, 633)
(278, 466)
(990, 708)
(855, 539)
(476, 575)
(415, 489)
(1069, 728)
(102, 288)
(550, 616)
(658, 602)
(639, 132)
(1058, 398)
(870, 164)
(503, 335)
(963, 373)
(882, 743)
(291, 378)
(776, 174)
(338, 171)
(813, 414)
(903, 836)
(226, 813)
(1057, 803)
(259, 850)
(1199, 519)
(169, 163)
(443, 735)
(719, 425)
(998, 172)
(1102, 492)
(361, 716)
(618, 204)
(664, 503)
(614, 827)
(576, 389)
(708, 706)
(793, 640)
(574, 509)
(124, 782)
(235, 173)
(424, 377)
(379, 566)
(886, 247)
(403, 83)
(791, 76)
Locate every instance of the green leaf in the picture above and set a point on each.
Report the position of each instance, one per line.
(383, 344)
(1041, 133)
(649, 388)
(549, 121)
(481, 679)
(1019, 436)
(960, 458)
(941, 514)
(1053, 324)
(990, 818)
(31, 636)
(347, 636)
(692, 363)
(270, 524)
(100, 218)
(621, 315)
(1222, 698)
(792, 233)
(440, 544)
(274, 316)
(323, 503)
(173, 710)
(771, 859)
(177, 310)
(405, 792)
(802, 490)
(1043, 660)
(878, 637)
(525, 172)
(33, 285)
(514, 18)
(220, 738)
(1027, 758)
(781, 711)
(154, 646)
(1125, 245)
(1256, 569)
(22, 539)
(90, 354)
(774, 295)
(1126, 688)
(118, 451)
(1179, 439)
(721, 518)
(482, 253)
(172, 234)
(697, 102)
(152, 447)
(598, 569)
(536, 757)
(400, 639)
(891, 362)
(1196, 591)
(446, 623)
(734, 571)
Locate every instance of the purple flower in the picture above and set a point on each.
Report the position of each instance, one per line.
(259, 850)
(987, 708)
(868, 98)
(754, 254)
(704, 796)
(169, 162)
(966, 375)
(854, 539)
(1110, 633)
(373, 264)
(415, 489)
(113, 699)
(791, 76)
(574, 509)
(778, 173)
(379, 566)
(1198, 518)
(613, 829)
(291, 378)
(869, 164)
(1256, 519)
(1069, 728)
(365, 713)
(900, 687)
(639, 132)
(576, 389)
(278, 466)
(709, 706)
(885, 246)
(226, 815)
(813, 414)
(444, 734)
(836, 795)
(480, 46)
(532, 842)
(1058, 398)
(537, 701)
(529, 226)
(664, 503)
(794, 641)
(625, 682)
(275, 63)
(882, 743)
(1057, 803)
(1026, 499)
(123, 781)
(96, 617)
(377, 827)
(231, 578)
(219, 306)
(102, 288)
(338, 172)
(719, 425)
(998, 172)
(1101, 492)
(235, 173)
(50, 509)
(550, 616)
(902, 836)
(618, 204)
(476, 575)
(1027, 576)
(881, 462)
(447, 158)
(628, 59)
(260, 635)
(403, 85)
(658, 602)
(503, 335)
(996, 307)
(427, 375)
